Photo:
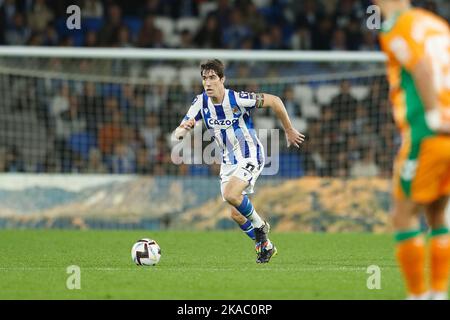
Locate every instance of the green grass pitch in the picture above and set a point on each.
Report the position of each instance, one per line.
(195, 265)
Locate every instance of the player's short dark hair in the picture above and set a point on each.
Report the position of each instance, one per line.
(215, 64)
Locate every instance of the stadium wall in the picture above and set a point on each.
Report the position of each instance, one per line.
(306, 204)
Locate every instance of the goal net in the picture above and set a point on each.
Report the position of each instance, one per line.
(109, 114)
(63, 114)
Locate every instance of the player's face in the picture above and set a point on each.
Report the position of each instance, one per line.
(212, 84)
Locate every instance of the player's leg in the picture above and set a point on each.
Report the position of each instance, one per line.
(233, 194)
(431, 186)
(410, 246)
(439, 248)
(245, 224)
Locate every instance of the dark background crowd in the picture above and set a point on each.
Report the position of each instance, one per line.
(240, 24)
(119, 127)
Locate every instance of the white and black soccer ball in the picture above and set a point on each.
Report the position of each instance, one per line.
(146, 252)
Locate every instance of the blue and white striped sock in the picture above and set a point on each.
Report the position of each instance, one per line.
(247, 210)
(248, 229)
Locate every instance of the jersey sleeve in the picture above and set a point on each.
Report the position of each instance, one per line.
(194, 111)
(249, 100)
(406, 45)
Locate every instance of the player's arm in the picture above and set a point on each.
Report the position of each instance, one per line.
(276, 104)
(423, 78)
(184, 128)
(423, 74)
(189, 120)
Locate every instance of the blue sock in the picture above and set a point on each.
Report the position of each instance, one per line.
(247, 227)
(246, 207)
(247, 210)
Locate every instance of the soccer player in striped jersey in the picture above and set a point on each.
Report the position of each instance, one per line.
(417, 45)
(227, 114)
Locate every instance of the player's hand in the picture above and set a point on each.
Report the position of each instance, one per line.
(183, 129)
(293, 137)
(188, 124)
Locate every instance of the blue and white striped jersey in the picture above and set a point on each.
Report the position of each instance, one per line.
(231, 124)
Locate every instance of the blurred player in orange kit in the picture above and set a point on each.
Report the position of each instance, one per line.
(417, 45)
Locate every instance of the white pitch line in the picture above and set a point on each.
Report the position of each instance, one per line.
(163, 268)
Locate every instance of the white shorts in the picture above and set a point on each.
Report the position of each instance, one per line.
(247, 170)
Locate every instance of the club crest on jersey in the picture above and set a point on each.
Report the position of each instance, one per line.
(222, 124)
(236, 112)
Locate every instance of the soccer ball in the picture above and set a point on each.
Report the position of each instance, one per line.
(146, 252)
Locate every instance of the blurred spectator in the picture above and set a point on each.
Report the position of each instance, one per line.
(92, 108)
(345, 12)
(13, 160)
(151, 8)
(122, 160)
(292, 107)
(124, 38)
(236, 31)
(158, 40)
(301, 40)
(92, 9)
(3, 160)
(209, 34)
(321, 39)
(136, 113)
(111, 107)
(108, 33)
(19, 33)
(353, 34)
(110, 132)
(50, 36)
(360, 119)
(245, 23)
(160, 156)
(90, 39)
(254, 19)
(276, 37)
(309, 16)
(184, 8)
(151, 131)
(8, 11)
(39, 16)
(155, 99)
(66, 41)
(127, 97)
(339, 41)
(60, 101)
(77, 164)
(141, 116)
(147, 34)
(95, 164)
(70, 121)
(143, 165)
(186, 41)
(369, 42)
(344, 103)
(223, 12)
(366, 167)
(377, 105)
(264, 40)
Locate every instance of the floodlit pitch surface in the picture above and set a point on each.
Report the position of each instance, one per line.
(196, 265)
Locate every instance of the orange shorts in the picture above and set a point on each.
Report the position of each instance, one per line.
(422, 171)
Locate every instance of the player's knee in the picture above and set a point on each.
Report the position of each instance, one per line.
(231, 197)
(405, 216)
